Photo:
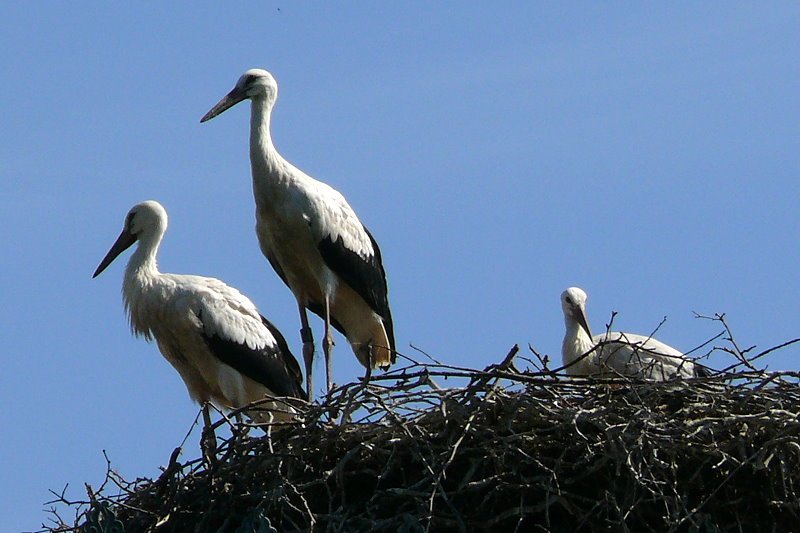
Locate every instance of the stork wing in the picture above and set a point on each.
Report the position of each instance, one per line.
(275, 265)
(629, 353)
(267, 365)
(290, 363)
(363, 273)
(241, 338)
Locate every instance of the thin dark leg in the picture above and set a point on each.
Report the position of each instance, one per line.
(368, 373)
(208, 440)
(308, 349)
(327, 344)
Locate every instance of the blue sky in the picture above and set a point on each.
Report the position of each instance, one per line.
(499, 152)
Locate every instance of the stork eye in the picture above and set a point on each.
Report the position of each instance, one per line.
(249, 79)
(568, 300)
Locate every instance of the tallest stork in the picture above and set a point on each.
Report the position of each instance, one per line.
(314, 241)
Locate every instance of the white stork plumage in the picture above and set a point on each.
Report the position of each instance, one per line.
(314, 241)
(225, 351)
(615, 353)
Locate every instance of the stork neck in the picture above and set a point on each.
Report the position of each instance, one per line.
(142, 263)
(271, 172)
(576, 341)
(263, 155)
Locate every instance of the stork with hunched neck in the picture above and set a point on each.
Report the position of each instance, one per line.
(615, 354)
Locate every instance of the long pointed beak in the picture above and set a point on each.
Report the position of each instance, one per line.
(123, 242)
(228, 101)
(581, 317)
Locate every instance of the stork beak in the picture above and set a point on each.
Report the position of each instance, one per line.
(580, 315)
(228, 101)
(123, 242)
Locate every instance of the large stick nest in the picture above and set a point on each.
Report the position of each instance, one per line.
(433, 447)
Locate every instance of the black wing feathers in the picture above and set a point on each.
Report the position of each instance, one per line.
(274, 367)
(291, 364)
(701, 371)
(277, 268)
(365, 276)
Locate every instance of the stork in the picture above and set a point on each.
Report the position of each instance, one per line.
(616, 353)
(224, 350)
(314, 242)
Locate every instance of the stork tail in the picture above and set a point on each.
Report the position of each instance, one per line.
(378, 352)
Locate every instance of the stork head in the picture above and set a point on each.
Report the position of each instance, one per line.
(573, 303)
(145, 222)
(255, 83)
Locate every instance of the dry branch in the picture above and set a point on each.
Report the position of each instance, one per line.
(526, 451)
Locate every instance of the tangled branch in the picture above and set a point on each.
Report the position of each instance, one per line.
(428, 447)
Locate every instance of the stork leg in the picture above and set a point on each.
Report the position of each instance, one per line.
(327, 342)
(368, 373)
(239, 427)
(308, 349)
(208, 440)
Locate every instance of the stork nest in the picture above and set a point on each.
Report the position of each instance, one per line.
(436, 447)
